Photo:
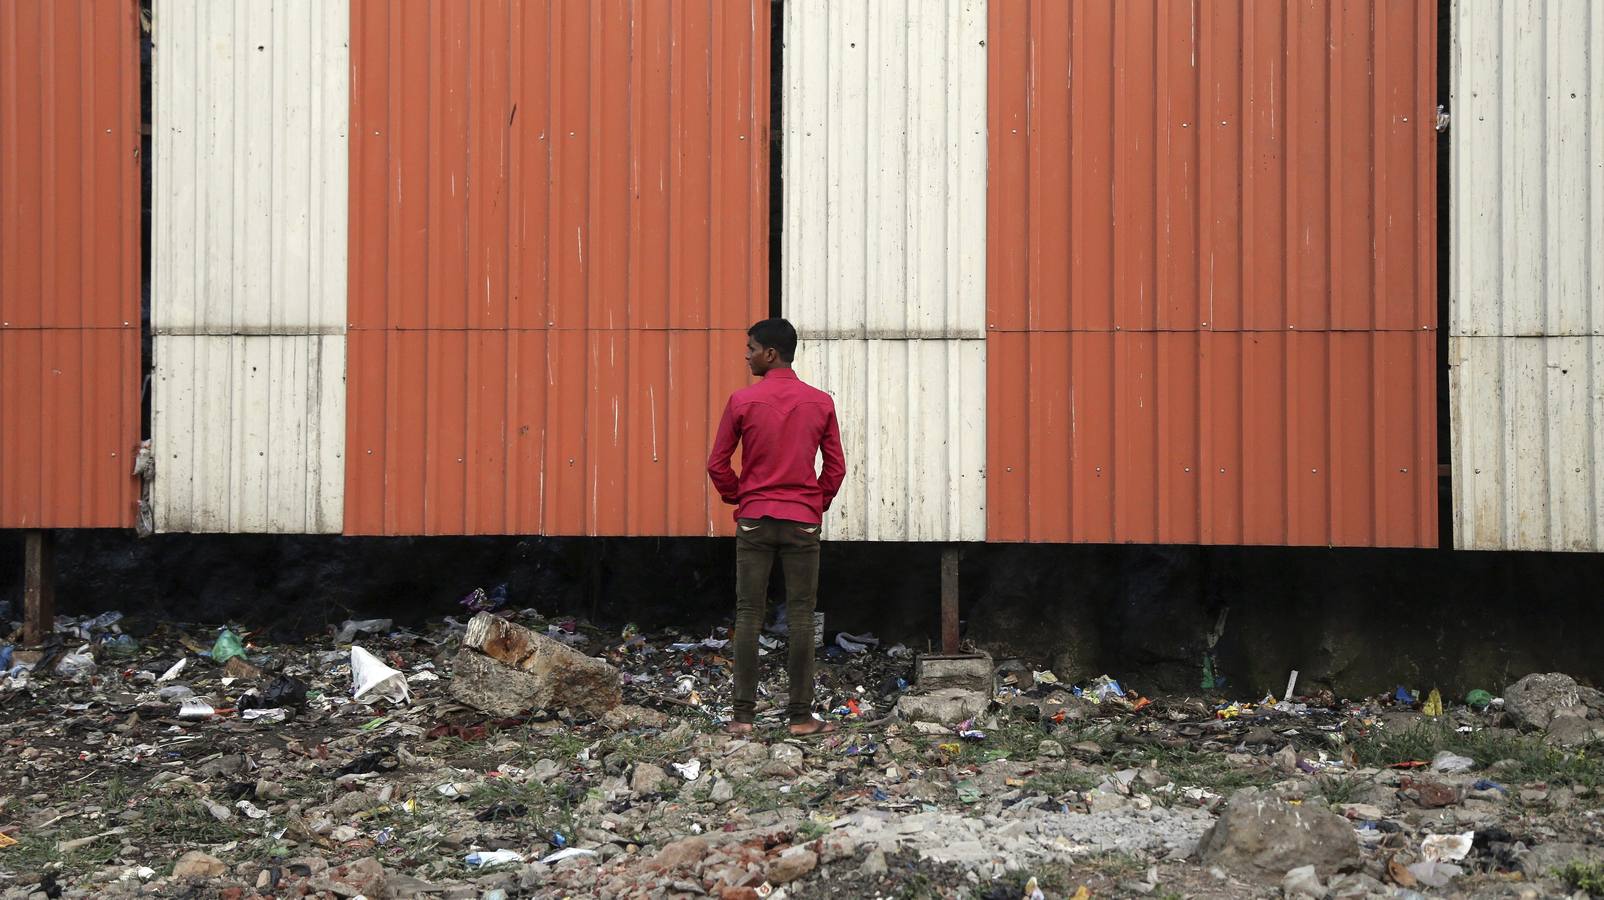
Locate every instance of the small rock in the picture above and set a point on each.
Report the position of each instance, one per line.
(1355, 886)
(647, 778)
(1098, 801)
(196, 864)
(1264, 836)
(364, 877)
(1537, 700)
(722, 792)
(1570, 730)
(681, 854)
(1050, 749)
(1434, 795)
(1087, 748)
(793, 864)
(630, 716)
(1364, 812)
(1286, 760)
(874, 865)
(1303, 882)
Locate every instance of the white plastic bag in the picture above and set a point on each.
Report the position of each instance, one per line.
(372, 680)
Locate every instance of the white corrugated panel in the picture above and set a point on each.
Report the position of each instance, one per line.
(248, 272)
(1528, 445)
(1527, 281)
(249, 432)
(884, 158)
(913, 427)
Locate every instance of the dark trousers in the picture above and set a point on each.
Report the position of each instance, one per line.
(757, 543)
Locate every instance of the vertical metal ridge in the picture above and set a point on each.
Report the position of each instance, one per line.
(1525, 281)
(69, 264)
(1293, 331)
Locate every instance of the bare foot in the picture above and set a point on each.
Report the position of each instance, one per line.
(811, 728)
(738, 728)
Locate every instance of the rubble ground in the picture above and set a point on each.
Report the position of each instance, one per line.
(165, 760)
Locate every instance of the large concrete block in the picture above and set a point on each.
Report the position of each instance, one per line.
(506, 669)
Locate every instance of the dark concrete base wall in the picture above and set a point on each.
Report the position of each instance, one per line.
(1358, 621)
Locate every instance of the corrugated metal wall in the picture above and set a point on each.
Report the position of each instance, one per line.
(249, 243)
(1527, 283)
(69, 263)
(884, 243)
(559, 222)
(1212, 294)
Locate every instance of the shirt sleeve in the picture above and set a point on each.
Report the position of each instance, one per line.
(718, 462)
(834, 470)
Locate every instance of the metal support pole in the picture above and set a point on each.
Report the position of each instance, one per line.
(38, 587)
(949, 600)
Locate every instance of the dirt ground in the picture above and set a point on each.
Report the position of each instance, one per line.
(111, 788)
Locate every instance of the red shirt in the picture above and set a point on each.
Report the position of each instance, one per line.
(781, 425)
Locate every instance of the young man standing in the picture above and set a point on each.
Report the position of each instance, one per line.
(781, 426)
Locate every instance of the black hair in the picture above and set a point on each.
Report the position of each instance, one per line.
(775, 334)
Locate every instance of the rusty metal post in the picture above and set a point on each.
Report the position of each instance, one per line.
(38, 587)
(949, 600)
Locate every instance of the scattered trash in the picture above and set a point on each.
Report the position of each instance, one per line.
(1478, 699)
(174, 671)
(1433, 704)
(227, 647)
(376, 761)
(568, 853)
(76, 665)
(1448, 762)
(351, 628)
(486, 858)
(373, 680)
(479, 601)
(856, 643)
(320, 787)
(1033, 890)
(1435, 874)
(1447, 847)
(250, 810)
(196, 709)
(1406, 696)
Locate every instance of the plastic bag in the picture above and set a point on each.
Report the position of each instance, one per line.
(372, 680)
(353, 627)
(482, 858)
(227, 647)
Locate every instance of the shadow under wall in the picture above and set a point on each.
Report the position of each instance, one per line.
(1357, 621)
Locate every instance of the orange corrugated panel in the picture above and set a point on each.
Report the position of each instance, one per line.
(1211, 273)
(69, 262)
(559, 234)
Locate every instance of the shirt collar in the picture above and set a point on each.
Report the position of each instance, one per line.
(780, 373)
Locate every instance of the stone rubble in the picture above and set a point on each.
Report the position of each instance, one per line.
(539, 757)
